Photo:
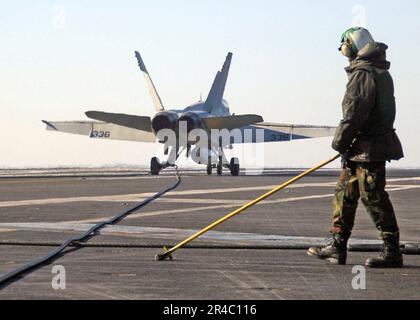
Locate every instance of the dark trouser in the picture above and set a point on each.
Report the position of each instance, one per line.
(366, 181)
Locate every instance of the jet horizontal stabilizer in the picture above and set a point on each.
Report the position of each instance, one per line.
(232, 122)
(125, 120)
(100, 130)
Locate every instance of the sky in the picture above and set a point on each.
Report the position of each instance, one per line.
(59, 59)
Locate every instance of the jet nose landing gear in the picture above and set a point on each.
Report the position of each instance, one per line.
(219, 169)
(218, 166)
(233, 166)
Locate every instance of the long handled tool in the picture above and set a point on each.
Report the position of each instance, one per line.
(168, 252)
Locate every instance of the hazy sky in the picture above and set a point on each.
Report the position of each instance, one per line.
(59, 59)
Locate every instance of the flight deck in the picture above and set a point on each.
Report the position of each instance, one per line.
(259, 254)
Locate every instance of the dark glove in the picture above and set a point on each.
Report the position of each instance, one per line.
(344, 160)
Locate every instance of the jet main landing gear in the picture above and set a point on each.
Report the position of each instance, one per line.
(156, 167)
(234, 167)
(209, 169)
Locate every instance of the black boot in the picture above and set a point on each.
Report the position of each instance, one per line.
(335, 251)
(390, 256)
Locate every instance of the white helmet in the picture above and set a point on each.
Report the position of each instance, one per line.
(353, 40)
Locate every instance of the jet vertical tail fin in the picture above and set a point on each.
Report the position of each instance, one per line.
(217, 90)
(152, 89)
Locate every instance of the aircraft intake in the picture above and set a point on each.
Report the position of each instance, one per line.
(165, 120)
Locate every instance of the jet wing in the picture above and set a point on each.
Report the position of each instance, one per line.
(276, 132)
(101, 130)
(125, 120)
(297, 131)
(231, 122)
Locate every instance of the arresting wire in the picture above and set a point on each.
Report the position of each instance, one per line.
(93, 231)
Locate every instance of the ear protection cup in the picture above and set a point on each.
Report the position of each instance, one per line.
(346, 50)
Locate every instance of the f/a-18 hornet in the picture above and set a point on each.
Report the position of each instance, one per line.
(209, 120)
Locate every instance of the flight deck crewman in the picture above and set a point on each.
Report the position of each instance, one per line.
(366, 139)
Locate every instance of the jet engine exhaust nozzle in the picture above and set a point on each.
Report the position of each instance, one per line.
(165, 120)
(192, 120)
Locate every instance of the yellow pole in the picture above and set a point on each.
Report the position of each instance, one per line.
(167, 252)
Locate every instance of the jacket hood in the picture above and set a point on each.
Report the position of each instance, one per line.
(373, 54)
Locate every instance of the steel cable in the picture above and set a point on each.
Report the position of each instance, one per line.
(93, 231)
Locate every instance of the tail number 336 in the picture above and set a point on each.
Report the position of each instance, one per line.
(100, 134)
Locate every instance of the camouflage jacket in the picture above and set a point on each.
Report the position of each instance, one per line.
(366, 133)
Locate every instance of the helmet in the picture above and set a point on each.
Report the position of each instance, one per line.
(353, 40)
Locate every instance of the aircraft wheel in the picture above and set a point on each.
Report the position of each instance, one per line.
(234, 167)
(209, 169)
(155, 166)
(219, 169)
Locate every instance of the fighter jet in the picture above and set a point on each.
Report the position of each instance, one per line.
(209, 116)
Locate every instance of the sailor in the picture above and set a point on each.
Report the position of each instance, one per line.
(366, 139)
